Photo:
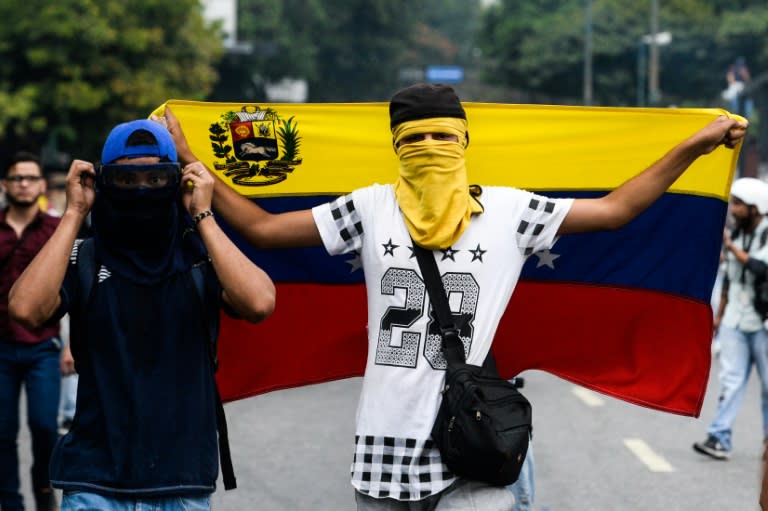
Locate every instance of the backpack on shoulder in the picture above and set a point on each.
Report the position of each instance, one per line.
(761, 283)
(483, 425)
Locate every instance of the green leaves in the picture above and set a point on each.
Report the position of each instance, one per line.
(81, 66)
(290, 139)
(538, 47)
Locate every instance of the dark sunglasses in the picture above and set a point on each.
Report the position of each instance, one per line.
(19, 179)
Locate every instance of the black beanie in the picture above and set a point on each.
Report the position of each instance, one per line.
(424, 101)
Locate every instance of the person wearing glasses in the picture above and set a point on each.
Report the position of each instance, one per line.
(28, 356)
(144, 296)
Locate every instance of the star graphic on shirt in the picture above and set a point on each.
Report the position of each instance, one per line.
(449, 253)
(356, 262)
(413, 252)
(389, 247)
(477, 254)
(546, 258)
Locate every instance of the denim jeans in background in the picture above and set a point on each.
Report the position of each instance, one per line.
(524, 489)
(68, 397)
(738, 352)
(36, 366)
(83, 501)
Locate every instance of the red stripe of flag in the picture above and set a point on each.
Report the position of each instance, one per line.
(642, 346)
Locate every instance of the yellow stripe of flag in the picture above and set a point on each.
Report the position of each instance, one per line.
(344, 146)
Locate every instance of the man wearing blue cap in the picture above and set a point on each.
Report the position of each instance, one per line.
(144, 296)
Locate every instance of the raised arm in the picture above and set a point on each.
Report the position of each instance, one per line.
(258, 227)
(34, 297)
(632, 198)
(247, 288)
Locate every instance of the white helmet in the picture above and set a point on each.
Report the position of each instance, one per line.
(751, 191)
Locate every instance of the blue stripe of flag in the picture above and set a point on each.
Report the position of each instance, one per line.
(673, 247)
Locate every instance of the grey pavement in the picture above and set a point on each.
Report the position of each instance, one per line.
(292, 451)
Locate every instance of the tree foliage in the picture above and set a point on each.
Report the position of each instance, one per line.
(347, 50)
(71, 69)
(539, 46)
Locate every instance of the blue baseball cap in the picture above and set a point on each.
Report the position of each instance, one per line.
(115, 146)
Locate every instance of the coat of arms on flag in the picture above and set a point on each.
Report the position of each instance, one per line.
(248, 145)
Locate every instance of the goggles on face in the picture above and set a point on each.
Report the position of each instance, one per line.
(132, 177)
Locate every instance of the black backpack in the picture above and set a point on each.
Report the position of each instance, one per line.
(87, 270)
(761, 283)
(483, 425)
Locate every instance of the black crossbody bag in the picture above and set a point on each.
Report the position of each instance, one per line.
(483, 425)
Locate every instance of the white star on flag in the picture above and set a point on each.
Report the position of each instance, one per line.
(356, 263)
(546, 258)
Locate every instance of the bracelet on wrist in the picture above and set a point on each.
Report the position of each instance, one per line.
(198, 217)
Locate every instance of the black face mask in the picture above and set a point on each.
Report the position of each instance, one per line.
(141, 220)
(138, 230)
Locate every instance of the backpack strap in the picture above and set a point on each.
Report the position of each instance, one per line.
(225, 454)
(453, 348)
(450, 324)
(198, 279)
(87, 269)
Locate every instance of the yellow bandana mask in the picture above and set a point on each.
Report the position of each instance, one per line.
(432, 189)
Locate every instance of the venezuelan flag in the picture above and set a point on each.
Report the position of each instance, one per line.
(625, 313)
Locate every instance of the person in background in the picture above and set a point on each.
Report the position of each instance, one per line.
(144, 321)
(738, 78)
(739, 327)
(69, 380)
(29, 356)
(56, 192)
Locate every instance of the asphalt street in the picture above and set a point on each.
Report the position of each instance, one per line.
(292, 450)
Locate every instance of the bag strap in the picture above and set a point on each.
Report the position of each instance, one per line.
(198, 279)
(225, 454)
(453, 348)
(87, 269)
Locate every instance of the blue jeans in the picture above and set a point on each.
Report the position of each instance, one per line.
(524, 489)
(36, 366)
(68, 397)
(83, 501)
(738, 352)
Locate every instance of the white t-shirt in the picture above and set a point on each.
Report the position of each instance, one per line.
(395, 456)
(740, 310)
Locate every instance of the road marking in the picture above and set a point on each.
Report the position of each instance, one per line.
(588, 397)
(650, 459)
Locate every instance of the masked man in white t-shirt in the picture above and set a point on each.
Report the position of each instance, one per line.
(481, 238)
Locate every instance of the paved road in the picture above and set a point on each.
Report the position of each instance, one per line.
(292, 451)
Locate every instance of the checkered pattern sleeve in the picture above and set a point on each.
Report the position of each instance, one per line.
(340, 224)
(538, 224)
